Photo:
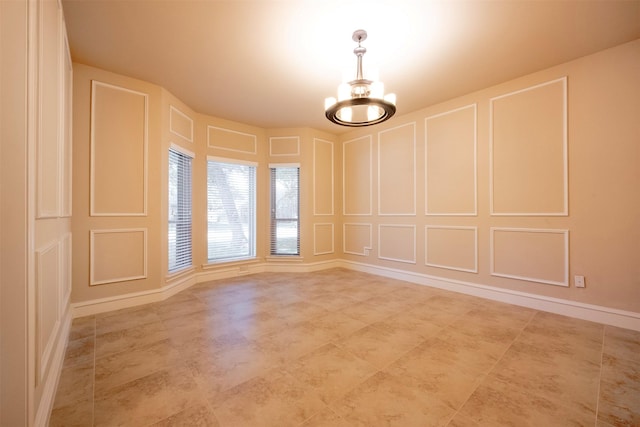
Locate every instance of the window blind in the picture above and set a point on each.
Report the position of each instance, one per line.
(285, 220)
(231, 216)
(179, 237)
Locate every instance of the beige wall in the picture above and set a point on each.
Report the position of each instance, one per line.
(543, 167)
(116, 182)
(586, 226)
(120, 229)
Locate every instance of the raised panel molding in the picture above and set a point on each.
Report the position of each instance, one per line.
(284, 146)
(531, 254)
(231, 140)
(123, 149)
(455, 247)
(318, 248)
(393, 241)
(397, 187)
(47, 298)
(180, 124)
(528, 151)
(66, 264)
(449, 161)
(357, 238)
(357, 200)
(117, 255)
(50, 105)
(323, 205)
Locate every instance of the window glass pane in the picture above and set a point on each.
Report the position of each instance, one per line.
(285, 222)
(179, 236)
(230, 211)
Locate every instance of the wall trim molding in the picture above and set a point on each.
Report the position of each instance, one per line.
(590, 312)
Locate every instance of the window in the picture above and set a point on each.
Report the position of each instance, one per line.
(231, 210)
(285, 219)
(179, 237)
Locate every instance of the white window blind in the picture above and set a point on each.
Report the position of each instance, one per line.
(285, 219)
(179, 211)
(231, 211)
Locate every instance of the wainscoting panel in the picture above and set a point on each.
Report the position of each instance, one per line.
(323, 177)
(231, 140)
(284, 146)
(397, 242)
(397, 170)
(51, 101)
(357, 176)
(180, 124)
(451, 162)
(357, 238)
(47, 299)
(536, 255)
(323, 239)
(118, 255)
(119, 129)
(452, 247)
(528, 144)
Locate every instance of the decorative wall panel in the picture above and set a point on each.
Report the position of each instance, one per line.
(357, 176)
(50, 105)
(119, 126)
(357, 239)
(397, 170)
(397, 242)
(67, 134)
(537, 255)
(118, 255)
(529, 151)
(231, 140)
(451, 162)
(454, 248)
(284, 146)
(323, 239)
(180, 124)
(65, 270)
(323, 177)
(47, 298)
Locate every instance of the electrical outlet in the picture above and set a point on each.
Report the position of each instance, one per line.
(578, 281)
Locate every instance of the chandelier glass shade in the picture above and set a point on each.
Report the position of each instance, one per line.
(360, 102)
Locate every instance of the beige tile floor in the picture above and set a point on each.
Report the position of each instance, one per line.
(341, 348)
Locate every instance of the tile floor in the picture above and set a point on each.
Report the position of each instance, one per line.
(341, 348)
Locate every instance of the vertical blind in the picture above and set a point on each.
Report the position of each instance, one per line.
(179, 211)
(285, 220)
(231, 217)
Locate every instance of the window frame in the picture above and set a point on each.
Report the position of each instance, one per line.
(252, 223)
(273, 219)
(185, 222)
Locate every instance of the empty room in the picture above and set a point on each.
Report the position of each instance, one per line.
(320, 213)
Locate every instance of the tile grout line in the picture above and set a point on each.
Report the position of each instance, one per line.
(93, 391)
(492, 368)
(604, 329)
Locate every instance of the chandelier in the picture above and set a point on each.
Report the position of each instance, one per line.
(360, 102)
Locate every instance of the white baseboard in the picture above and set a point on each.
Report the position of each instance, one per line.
(50, 383)
(103, 305)
(591, 312)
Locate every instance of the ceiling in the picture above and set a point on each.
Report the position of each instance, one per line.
(271, 63)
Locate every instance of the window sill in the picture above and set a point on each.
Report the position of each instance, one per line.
(229, 263)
